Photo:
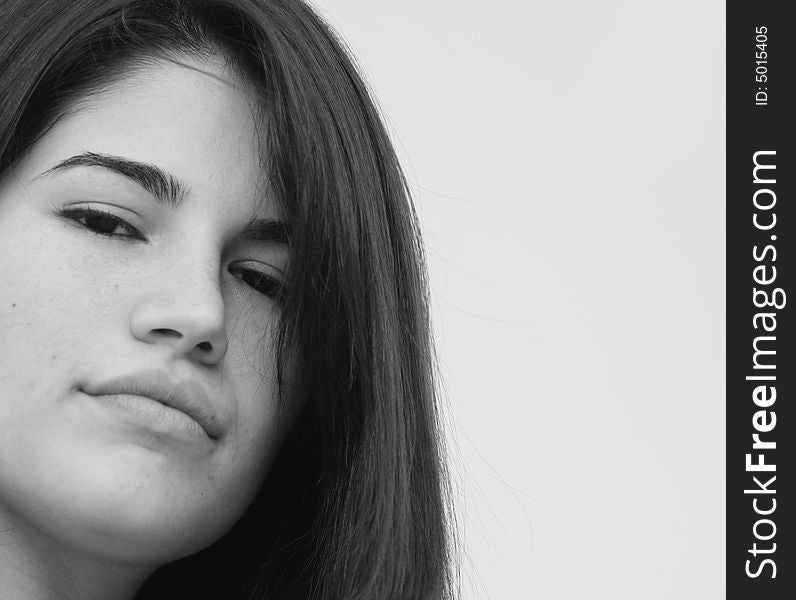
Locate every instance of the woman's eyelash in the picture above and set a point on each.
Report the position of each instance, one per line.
(100, 222)
(260, 282)
(106, 224)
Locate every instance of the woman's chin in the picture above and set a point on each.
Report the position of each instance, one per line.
(121, 509)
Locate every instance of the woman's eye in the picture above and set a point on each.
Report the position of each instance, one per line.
(260, 282)
(101, 222)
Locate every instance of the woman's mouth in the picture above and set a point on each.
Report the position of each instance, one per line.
(155, 398)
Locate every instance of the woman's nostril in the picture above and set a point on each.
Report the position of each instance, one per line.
(205, 346)
(167, 332)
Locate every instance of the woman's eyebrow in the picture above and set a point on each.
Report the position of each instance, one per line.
(267, 231)
(168, 190)
(165, 187)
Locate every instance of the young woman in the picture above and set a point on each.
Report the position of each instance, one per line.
(215, 377)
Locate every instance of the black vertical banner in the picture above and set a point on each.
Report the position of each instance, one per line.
(761, 266)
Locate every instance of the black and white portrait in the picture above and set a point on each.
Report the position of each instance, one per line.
(347, 300)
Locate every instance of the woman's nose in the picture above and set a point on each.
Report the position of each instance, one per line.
(184, 309)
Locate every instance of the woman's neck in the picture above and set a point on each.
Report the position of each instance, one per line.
(34, 567)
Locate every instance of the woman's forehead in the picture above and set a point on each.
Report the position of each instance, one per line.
(180, 128)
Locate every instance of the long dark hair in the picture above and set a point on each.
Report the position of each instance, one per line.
(355, 505)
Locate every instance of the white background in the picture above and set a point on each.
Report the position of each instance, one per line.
(567, 160)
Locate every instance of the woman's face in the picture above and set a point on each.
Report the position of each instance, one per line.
(139, 259)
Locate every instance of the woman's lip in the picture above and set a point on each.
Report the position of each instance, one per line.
(154, 415)
(185, 396)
